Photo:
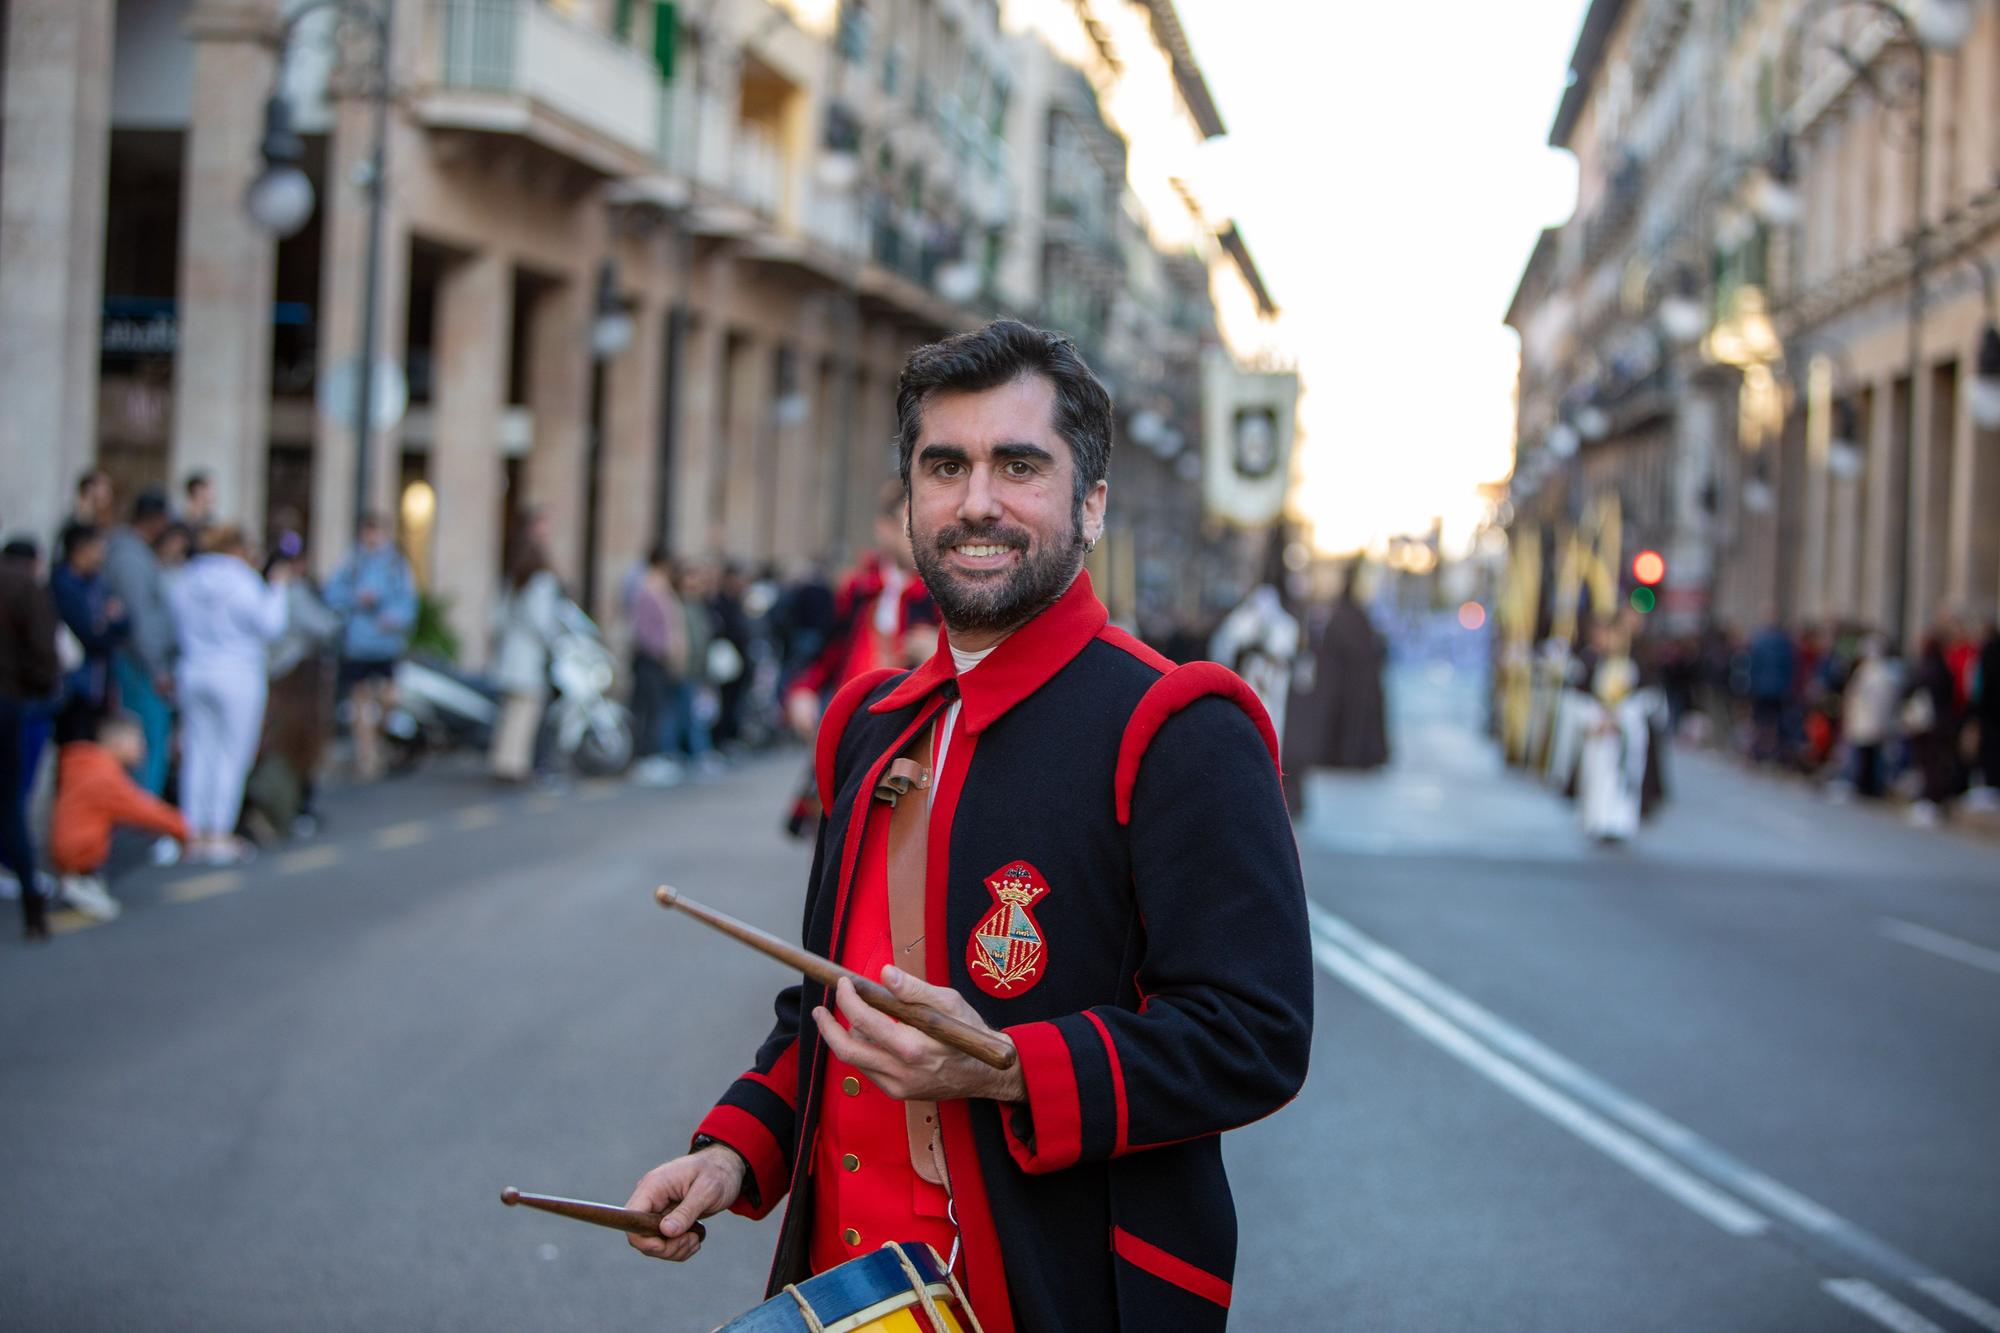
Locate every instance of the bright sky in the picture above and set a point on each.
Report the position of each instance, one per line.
(1388, 165)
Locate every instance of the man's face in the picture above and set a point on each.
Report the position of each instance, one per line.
(993, 525)
(198, 497)
(88, 557)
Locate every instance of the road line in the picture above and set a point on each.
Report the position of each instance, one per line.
(307, 858)
(1693, 1151)
(407, 834)
(1878, 1305)
(67, 921)
(1968, 1303)
(1643, 1160)
(484, 815)
(1939, 943)
(204, 886)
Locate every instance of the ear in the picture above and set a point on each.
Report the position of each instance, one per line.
(1093, 510)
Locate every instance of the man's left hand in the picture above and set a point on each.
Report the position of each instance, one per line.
(907, 1064)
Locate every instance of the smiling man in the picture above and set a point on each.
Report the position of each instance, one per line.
(1048, 831)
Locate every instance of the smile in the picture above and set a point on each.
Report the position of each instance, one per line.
(981, 552)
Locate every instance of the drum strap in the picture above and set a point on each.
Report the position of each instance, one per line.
(909, 847)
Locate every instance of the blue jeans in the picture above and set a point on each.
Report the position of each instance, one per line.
(138, 696)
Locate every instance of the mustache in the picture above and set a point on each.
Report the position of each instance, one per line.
(960, 534)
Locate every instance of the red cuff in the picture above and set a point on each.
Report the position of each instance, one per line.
(1055, 1116)
(736, 1128)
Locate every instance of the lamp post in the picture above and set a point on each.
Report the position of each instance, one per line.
(280, 199)
(1928, 26)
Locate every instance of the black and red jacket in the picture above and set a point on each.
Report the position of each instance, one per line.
(1173, 996)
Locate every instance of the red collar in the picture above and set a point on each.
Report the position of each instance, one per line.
(1023, 662)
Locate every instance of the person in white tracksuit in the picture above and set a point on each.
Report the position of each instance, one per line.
(225, 617)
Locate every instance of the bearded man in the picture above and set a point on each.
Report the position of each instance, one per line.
(1090, 857)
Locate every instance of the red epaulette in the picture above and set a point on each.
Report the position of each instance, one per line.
(833, 723)
(1169, 695)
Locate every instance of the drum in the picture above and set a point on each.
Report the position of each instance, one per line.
(897, 1289)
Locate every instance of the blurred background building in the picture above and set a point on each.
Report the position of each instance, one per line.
(1763, 347)
(651, 267)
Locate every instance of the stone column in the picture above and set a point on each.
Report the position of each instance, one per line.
(54, 161)
(747, 449)
(474, 314)
(222, 367)
(341, 287)
(559, 399)
(629, 463)
(697, 527)
(1881, 526)
(1812, 573)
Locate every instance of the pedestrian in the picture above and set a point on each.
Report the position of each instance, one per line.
(1868, 714)
(1772, 661)
(526, 621)
(1259, 641)
(1986, 718)
(694, 697)
(729, 656)
(94, 795)
(142, 666)
(1338, 719)
(225, 617)
(1931, 722)
(376, 594)
(94, 500)
(198, 504)
(30, 677)
(96, 618)
(1091, 802)
(659, 661)
(298, 717)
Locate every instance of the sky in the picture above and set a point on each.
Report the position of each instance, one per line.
(1389, 167)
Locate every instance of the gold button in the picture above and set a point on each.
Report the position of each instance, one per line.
(851, 1236)
(851, 1162)
(851, 1086)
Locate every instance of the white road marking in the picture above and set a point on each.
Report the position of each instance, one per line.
(1627, 1150)
(308, 858)
(1690, 1149)
(1939, 943)
(484, 815)
(1878, 1305)
(205, 886)
(407, 834)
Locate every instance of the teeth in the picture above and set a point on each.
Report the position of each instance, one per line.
(977, 551)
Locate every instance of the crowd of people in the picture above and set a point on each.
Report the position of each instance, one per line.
(1848, 706)
(165, 653)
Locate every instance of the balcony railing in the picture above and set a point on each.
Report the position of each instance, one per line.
(528, 50)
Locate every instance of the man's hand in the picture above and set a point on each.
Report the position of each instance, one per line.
(694, 1187)
(906, 1063)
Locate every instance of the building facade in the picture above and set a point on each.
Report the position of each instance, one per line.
(1750, 333)
(649, 268)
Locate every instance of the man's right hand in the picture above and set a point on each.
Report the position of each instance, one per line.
(693, 1187)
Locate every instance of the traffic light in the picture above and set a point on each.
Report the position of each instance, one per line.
(1648, 568)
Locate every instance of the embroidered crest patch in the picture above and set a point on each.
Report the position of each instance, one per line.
(1007, 951)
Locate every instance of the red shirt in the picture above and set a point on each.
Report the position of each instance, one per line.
(865, 1191)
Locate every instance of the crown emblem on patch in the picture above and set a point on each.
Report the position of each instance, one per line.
(1007, 950)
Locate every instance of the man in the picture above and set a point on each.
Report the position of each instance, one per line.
(93, 499)
(98, 622)
(198, 513)
(143, 666)
(376, 594)
(1111, 885)
(30, 675)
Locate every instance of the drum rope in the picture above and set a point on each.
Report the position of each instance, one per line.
(813, 1324)
(918, 1285)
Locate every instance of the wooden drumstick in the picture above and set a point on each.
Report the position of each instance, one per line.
(597, 1214)
(985, 1047)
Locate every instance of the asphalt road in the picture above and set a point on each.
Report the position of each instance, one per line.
(1739, 1075)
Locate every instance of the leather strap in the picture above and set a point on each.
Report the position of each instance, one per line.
(909, 775)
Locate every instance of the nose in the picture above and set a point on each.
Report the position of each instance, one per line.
(981, 501)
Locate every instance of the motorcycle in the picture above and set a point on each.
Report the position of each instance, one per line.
(439, 708)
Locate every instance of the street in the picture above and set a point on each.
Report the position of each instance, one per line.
(1737, 1075)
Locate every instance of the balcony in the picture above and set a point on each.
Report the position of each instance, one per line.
(522, 67)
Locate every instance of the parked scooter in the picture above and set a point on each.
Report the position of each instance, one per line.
(439, 708)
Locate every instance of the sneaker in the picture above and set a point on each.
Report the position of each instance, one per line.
(166, 852)
(1923, 814)
(10, 887)
(1983, 800)
(656, 771)
(87, 894)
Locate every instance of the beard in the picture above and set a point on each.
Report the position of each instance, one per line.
(998, 601)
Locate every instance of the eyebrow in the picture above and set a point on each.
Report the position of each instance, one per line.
(952, 453)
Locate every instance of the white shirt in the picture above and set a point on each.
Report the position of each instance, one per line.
(964, 662)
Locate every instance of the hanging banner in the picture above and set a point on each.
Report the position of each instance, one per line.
(1248, 421)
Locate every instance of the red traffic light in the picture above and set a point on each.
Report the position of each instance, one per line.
(1649, 567)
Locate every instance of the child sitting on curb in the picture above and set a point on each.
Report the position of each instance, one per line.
(94, 794)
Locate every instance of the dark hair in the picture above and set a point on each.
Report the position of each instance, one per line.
(528, 560)
(370, 521)
(194, 479)
(148, 504)
(89, 477)
(73, 536)
(998, 354)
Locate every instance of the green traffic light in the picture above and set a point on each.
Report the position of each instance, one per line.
(1643, 600)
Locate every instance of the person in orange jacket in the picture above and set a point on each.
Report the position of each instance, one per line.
(94, 794)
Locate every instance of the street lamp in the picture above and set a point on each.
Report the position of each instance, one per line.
(281, 199)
